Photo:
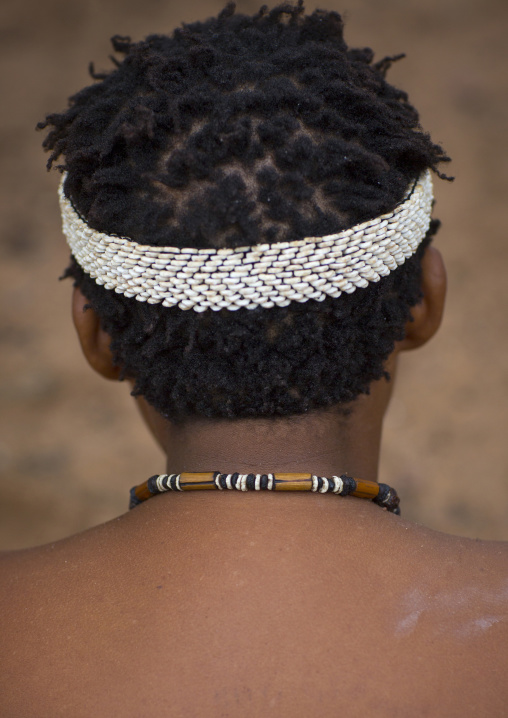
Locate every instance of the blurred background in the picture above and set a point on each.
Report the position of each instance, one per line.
(71, 444)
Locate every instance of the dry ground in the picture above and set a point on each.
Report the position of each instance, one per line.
(71, 445)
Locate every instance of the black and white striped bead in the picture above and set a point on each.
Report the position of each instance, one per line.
(338, 484)
(322, 485)
(245, 482)
(164, 482)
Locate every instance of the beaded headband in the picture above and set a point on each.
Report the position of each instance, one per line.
(262, 275)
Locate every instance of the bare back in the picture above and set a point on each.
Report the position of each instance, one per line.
(195, 605)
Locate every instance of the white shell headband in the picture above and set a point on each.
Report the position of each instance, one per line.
(262, 275)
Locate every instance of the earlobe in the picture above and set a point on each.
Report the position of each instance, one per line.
(95, 342)
(428, 313)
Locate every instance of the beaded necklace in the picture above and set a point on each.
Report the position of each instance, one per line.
(343, 485)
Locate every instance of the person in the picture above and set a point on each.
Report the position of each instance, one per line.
(247, 203)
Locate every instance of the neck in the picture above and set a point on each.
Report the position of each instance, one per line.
(325, 442)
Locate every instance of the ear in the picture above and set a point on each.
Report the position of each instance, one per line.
(95, 342)
(427, 314)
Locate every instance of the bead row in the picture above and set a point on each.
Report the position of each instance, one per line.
(262, 275)
(344, 485)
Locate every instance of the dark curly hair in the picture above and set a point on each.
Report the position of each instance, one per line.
(232, 132)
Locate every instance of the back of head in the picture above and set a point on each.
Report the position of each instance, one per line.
(235, 132)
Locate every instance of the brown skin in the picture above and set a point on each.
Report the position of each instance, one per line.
(200, 604)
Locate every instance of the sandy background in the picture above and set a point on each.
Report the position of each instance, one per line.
(71, 444)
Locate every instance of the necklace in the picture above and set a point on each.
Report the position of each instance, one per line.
(344, 485)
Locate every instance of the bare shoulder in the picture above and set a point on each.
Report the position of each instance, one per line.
(455, 592)
(27, 578)
(434, 610)
(47, 619)
(36, 584)
(466, 554)
(37, 571)
(455, 565)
